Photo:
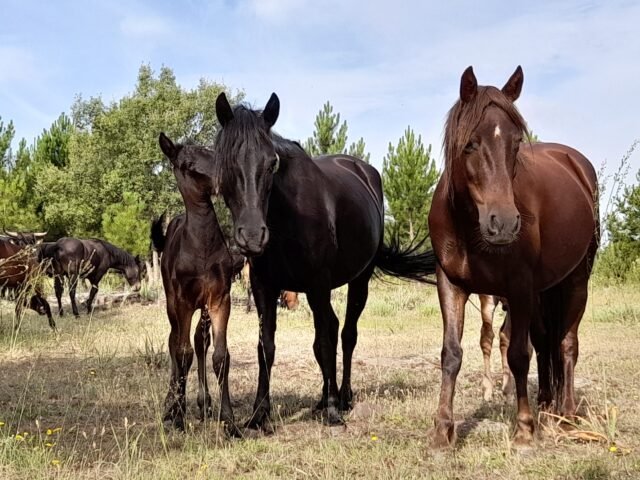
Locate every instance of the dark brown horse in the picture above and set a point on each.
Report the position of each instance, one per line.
(197, 270)
(520, 221)
(76, 258)
(18, 271)
(307, 225)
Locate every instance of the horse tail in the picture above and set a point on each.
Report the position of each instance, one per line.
(158, 239)
(552, 307)
(411, 262)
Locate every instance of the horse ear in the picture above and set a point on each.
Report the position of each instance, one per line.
(223, 110)
(168, 147)
(513, 87)
(468, 85)
(271, 110)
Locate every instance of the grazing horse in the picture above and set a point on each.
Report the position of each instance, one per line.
(18, 266)
(76, 258)
(520, 221)
(197, 270)
(307, 225)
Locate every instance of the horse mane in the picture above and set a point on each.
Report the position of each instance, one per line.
(287, 148)
(463, 119)
(122, 257)
(246, 128)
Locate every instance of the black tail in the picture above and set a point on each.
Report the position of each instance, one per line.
(409, 262)
(552, 306)
(157, 235)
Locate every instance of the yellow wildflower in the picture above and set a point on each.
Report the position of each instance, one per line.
(1, 424)
(55, 462)
(374, 438)
(204, 466)
(19, 437)
(49, 432)
(613, 449)
(49, 444)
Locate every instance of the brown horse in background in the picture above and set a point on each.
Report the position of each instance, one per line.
(520, 221)
(18, 271)
(197, 270)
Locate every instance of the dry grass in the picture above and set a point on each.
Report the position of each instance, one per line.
(102, 379)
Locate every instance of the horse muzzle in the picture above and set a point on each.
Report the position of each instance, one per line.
(252, 241)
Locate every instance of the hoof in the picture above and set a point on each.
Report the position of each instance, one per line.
(231, 430)
(321, 405)
(331, 416)
(443, 438)
(175, 423)
(260, 421)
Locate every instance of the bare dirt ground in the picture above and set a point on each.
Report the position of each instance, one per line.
(87, 402)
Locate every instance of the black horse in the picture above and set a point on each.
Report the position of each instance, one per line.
(76, 259)
(307, 225)
(197, 270)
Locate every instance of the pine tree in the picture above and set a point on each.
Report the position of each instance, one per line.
(409, 176)
(330, 136)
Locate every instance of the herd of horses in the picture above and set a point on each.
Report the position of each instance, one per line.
(25, 259)
(513, 221)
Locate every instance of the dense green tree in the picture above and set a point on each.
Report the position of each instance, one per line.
(125, 225)
(6, 137)
(113, 149)
(330, 136)
(409, 176)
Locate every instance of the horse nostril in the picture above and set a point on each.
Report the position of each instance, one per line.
(493, 225)
(516, 224)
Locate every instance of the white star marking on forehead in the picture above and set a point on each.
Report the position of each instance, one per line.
(496, 132)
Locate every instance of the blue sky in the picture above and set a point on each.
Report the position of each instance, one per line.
(383, 65)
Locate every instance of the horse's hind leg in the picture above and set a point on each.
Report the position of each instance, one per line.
(575, 291)
(356, 301)
(222, 362)
(58, 287)
(325, 348)
(487, 309)
(94, 280)
(505, 334)
(202, 340)
(181, 353)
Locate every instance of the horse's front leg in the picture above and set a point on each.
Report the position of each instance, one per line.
(522, 311)
(181, 353)
(220, 311)
(452, 301)
(265, 297)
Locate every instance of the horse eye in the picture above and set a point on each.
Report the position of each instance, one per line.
(469, 147)
(275, 164)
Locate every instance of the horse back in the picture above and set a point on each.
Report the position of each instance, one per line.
(559, 195)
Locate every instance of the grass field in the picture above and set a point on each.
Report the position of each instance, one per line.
(87, 402)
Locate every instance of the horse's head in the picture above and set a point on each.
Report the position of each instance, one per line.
(483, 134)
(247, 163)
(193, 167)
(135, 273)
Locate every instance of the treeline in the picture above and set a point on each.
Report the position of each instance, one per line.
(98, 171)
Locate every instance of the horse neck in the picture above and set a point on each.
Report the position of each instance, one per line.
(201, 220)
